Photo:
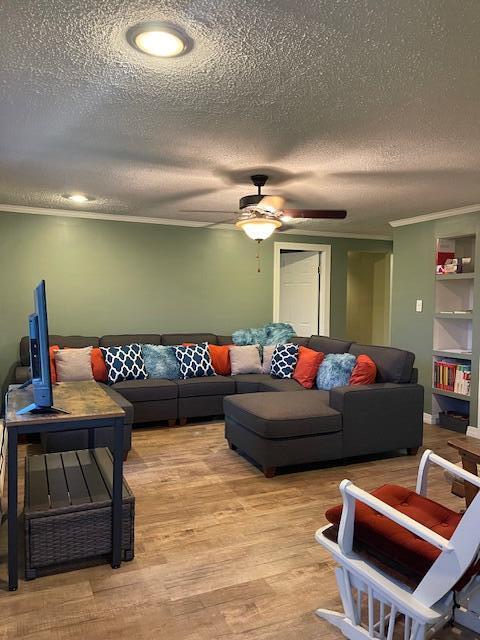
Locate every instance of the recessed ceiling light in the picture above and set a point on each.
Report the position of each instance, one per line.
(77, 198)
(159, 39)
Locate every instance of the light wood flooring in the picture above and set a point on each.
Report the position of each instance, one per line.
(221, 552)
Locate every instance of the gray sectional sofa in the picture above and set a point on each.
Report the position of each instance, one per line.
(274, 429)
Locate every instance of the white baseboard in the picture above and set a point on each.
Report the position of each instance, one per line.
(428, 418)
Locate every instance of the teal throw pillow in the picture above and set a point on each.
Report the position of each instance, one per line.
(161, 362)
(335, 371)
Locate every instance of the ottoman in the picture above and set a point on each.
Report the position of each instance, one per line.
(280, 429)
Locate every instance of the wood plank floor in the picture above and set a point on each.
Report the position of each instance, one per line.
(221, 552)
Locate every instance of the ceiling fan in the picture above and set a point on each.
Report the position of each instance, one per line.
(261, 214)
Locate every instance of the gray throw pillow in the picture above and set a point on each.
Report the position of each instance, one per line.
(268, 350)
(74, 365)
(245, 359)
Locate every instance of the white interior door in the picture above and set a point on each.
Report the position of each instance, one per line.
(299, 290)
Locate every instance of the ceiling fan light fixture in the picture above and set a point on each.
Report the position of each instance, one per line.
(77, 198)
(159, 39)
(258, 228)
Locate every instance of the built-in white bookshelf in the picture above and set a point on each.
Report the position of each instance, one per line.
(454, 389)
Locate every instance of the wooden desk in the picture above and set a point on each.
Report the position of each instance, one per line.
(89, 408)
(469, 450)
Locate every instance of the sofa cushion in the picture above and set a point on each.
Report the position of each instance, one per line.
(127, 338)
(74, 342)
(121, 401)
(223, 340)
(207, 386)
(283, 415)
(146, 390)
(190, 338)
(388, 538)
(328, 345)
(300, 340)
(251, 382)
(280, 384)
(393, 365)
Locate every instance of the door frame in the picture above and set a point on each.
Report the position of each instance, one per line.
(325, 253)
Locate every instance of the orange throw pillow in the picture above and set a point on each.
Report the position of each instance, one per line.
(220, 355)
(307, 366)
(364, 371)
(99, 368)
(53, 370)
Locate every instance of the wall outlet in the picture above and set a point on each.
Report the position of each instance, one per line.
(419, 306)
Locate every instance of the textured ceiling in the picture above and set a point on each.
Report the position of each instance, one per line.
(372, 106)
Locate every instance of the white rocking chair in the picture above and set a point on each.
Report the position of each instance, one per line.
(392, 605)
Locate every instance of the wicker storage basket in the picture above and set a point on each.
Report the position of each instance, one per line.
(68, 514)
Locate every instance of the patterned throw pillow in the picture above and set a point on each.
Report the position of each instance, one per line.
(124, 363)
(335, 371)
(284, 359)
(194, 361)
(160, 361)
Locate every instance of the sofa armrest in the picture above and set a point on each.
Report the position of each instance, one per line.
(22, 374)
(379, 417)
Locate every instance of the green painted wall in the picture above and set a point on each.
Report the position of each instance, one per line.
(115, 277)
(414, 278)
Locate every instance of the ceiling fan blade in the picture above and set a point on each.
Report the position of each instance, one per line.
(314, 214)
(276, 202)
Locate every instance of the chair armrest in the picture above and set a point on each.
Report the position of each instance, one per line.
(379, 417)
(430, 458)
(351, 494)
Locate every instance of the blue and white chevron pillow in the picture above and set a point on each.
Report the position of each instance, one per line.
(284, 360)
(124, 363)
(194, 361)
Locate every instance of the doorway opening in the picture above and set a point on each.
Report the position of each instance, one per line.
(369, 297)
(301, 287)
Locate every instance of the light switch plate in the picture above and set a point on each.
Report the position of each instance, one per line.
(419, 306)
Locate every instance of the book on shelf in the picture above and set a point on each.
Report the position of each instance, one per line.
(451, 376)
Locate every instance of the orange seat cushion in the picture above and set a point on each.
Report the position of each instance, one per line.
(307, 366)
(364, 371)
(377, 533)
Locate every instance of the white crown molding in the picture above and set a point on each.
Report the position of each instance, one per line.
(93, 215)
(436, 215)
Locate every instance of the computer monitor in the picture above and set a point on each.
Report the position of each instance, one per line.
(39, 355)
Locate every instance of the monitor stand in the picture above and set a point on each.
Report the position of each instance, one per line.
(35, 409)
